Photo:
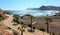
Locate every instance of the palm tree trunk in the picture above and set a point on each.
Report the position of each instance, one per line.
(31, 24)
(47, 27)
(22, 32)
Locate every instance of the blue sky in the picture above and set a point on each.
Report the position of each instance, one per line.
(23, 4)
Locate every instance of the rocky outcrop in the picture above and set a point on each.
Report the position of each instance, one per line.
(1, 14)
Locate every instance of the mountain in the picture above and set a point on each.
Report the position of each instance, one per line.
(49, 8)
(46, 8)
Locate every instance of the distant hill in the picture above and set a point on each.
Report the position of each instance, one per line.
(46, 8)
(32, 8)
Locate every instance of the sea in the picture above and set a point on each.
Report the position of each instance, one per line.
(34, 12)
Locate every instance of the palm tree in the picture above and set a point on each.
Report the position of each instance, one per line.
(16, 18)
(48, 19)
(22, 26)
(31, 17)
(22, 29)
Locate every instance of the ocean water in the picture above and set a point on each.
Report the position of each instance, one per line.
(35, 12)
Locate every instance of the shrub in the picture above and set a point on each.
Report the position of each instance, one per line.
(9, 28)
(0, 16)
(30, 25)
(16, 18)
(22, 23)
(42, 29)
(7, 12)
(33, 27)
(52, 33)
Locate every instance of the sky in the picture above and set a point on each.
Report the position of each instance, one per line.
(24, 4)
